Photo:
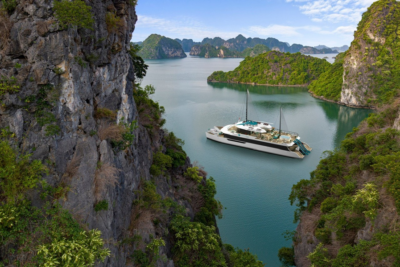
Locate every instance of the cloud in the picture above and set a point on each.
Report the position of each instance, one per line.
(184, 27)
(333, 10)
(275, 30)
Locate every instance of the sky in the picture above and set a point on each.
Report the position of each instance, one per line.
(306, 22)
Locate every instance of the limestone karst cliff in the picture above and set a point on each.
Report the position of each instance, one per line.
(161, 47)
(371, 72)
(86, 172)
(348, 211)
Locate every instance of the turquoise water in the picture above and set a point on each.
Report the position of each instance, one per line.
(253, 186)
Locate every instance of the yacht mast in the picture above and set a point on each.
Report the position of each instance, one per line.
(280, 121)
(247, 102)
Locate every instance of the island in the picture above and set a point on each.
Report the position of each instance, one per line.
(161, 47)
(274, 68)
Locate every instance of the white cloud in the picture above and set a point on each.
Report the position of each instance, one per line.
(333, 10)
(275, 30)
(183, 28)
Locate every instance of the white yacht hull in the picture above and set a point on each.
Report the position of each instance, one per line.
(261, 148)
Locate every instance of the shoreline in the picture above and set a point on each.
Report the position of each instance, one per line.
(278, 85)
(311, 93)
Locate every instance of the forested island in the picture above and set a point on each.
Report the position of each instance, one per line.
(160, 47)
(274, 68)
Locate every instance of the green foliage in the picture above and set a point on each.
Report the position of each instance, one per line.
(113, 22)
(92, 133)
(369, 198)
(149, 110)
(79, 60)
(18, 173)
(52, 129)
(58, 71)
(275, 68)
(9, 5)
(193, 173)
(328, 204)
(17, 66)
(46, 237)
(196, 244)
(152, 47)
(105, 113)
(83, 250)
(286, 256)
(154, 249)
(255, 51)
(8, 85)
(174, 149)
(242, 258)
(73, 14)
(101, 205)
(329, 84)
(319, 257)
(323, 235)
(211, 207)
(128, 135)
(382, 18)
(356, 255)
(160, 163)
(140, 68)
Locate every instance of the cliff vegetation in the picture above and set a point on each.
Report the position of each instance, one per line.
(329, 84)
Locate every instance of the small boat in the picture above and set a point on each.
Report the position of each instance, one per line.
(260, 136)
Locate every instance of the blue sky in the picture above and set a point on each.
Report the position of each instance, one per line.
(307, 22)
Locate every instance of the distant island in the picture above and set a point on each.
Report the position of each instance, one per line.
(161, 47)
(275, 68)
(240, 43)
(209, 51)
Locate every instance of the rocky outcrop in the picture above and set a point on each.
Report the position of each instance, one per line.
(370, 75)
(62, 78)
(161, 47)
(196, 50)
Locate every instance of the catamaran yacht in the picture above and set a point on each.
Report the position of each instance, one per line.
(261, 136)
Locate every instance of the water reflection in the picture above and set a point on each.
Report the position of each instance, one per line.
(259, 89)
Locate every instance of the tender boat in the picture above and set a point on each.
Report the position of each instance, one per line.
(260, 136)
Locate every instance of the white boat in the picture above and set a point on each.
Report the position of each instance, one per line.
(260, 136)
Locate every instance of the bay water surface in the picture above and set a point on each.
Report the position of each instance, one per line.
(253, 186)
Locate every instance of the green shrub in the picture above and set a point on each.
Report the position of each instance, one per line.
(174, 149)
(238, 258)
(140, 68)
(211, 207)
(323, 235)
(113, 22)
(160, 163)
(8, 85)
(82, 250)
(45, 236)
(18, 173)
(356, 255)
(193, 173)
(58, 71)
(195, 244)
(9, 5)
(286, 256)
(73, 14)
(80, 61)
(319, 257)
(101, 205)
(328, 204)
(105, 113)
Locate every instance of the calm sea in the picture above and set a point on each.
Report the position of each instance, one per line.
(253, 186)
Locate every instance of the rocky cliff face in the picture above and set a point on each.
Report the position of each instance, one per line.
(370, 72)
(65, 79)
(196, 50)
